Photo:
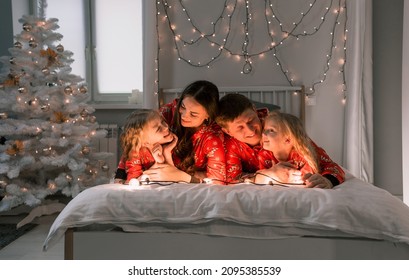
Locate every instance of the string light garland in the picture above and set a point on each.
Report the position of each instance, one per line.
(220, 41)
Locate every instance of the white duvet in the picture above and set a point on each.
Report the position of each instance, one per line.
(354, 208)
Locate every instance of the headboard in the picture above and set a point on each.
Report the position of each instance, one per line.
(290, 99)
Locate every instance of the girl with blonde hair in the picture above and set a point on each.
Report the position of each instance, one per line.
(146, 140)
(285, 136)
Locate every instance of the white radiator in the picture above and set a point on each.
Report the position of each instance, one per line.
(109, 144)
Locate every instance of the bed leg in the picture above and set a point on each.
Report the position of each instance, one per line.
(68, 244)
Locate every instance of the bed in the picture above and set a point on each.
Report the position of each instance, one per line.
(355, 220)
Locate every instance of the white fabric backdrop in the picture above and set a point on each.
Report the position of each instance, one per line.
(358, 129)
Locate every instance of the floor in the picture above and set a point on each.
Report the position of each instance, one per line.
(30, 245)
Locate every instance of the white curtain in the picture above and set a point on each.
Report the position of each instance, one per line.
(358, 130)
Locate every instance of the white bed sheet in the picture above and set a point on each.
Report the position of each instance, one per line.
(354, 209)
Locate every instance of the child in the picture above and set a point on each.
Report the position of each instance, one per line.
(284, 135)
(145, 132)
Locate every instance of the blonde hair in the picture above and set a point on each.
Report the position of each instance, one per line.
(292, 127)
(131, 137)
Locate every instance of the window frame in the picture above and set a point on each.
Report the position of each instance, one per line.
(91, 71)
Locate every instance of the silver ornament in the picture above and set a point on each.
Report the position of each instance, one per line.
(18, 45)
(52, 185)
(45, 108)
(84, 113)
(45, 71)
(33, 44)
(83, 89)
(22, 90)
(92, 119)
(27, 27)
(4, 181)
(104, 167)
(68, 90)
(60, 48)
(86, 150)
(68, 177)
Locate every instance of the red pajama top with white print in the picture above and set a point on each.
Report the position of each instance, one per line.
(242, 158)
(208, 146)
(326, 165)
(137, 163)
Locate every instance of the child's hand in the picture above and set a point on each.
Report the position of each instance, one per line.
(157, 153)
(317, 181)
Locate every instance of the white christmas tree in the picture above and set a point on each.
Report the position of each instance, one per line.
(46, 126)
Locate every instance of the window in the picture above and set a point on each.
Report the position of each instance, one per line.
(107, 41)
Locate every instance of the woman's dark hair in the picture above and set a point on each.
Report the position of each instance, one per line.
(207, 95)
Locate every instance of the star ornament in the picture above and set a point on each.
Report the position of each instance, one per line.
(59, 117)
(50, 55)
(16, 148)
(11, 81)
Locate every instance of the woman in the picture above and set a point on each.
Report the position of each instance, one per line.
(199, 152)
(284, 135)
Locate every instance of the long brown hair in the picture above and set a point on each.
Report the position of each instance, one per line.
(292, 127)
(131, 136)
(207, 95)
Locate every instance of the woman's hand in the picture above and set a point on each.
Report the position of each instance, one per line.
(167, 149)
(317, 181)
(157, 153)
(166, 172)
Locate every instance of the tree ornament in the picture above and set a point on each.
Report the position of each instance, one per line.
(68, 90)
(45, 71)
(92, 119)
(27, 27)
(68, 177)
(60, 48)
(4, 181)
(45, 107)
(86, 150)
(47, 151)
(83, 89)
(59, 117)
(104, 167)
(22, 90)
(52, 185)
(16, 148)
(18, 45)
(12, 60)
(84, 113)
(50, 55)
(33, 44)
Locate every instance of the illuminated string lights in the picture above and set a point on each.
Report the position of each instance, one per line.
(219, 35)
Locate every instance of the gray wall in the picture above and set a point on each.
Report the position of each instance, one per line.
(387, 89)
(387, 62)
(6, 27)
